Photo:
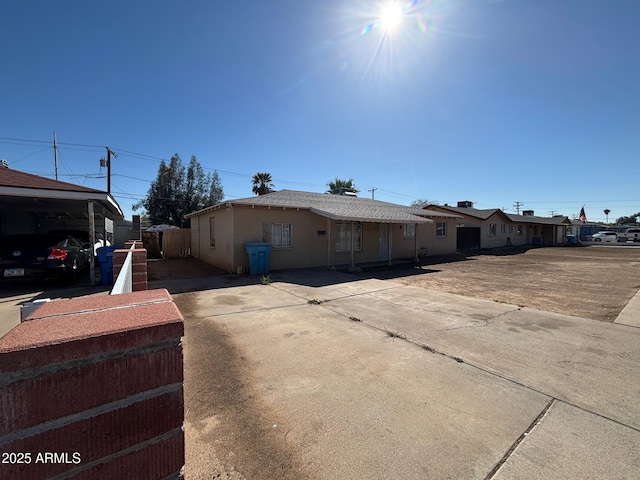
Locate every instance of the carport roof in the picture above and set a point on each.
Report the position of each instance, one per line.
(18, 188)
(336, 207)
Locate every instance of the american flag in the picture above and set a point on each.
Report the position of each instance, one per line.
(583, 216)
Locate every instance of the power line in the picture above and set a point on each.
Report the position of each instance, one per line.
(27, 156)
(517, 206)
(25, 140)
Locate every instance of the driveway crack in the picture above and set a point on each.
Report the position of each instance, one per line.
(520, 439)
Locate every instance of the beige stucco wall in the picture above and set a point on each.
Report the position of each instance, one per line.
(313, 242)
(308, 246)
(221, 254)
(487, 240)
(438, 245)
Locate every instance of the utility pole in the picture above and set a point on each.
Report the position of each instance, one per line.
(55, 154)
(109, 154)
(552, 213)
(517, 205)
(373, 191)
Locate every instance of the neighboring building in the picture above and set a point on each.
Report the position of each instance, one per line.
(542, 230)
(314, 229)
(486, 228)
(491, 228)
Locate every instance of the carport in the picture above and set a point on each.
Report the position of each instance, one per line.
(34, 204)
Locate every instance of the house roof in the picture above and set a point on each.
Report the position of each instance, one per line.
(540, 220)
(481, 214)
(337, 207)
(484, 214)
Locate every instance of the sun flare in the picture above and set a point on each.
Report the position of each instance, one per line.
(391, 16)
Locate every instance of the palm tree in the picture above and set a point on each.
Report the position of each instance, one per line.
(340, 184)
(607, 212)
(262, 183)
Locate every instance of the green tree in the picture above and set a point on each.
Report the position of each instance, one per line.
(216, 193)
(632, 220)
(175, 192)
(262, 183)
(341, 183)
(422, 202)
(196, 185)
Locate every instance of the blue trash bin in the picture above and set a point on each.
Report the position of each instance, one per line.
(105, 263)
(571, 239)
(258, 257)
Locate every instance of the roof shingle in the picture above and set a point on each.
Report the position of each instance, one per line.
(339, 207)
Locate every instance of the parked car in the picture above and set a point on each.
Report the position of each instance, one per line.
(605, 236)
(42, 255)
(83, 236)
(632, 234)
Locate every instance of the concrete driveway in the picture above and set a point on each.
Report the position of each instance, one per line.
(328, 375)
(15, 294)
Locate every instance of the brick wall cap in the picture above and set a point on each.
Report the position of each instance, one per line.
(69, 328)
(98, 302)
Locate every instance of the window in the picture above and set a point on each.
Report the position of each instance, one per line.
(510, 228)
(279, 235)
(343, 237)
(441, 229)
(212, 232)
(409, 230)
(520, 230)
(492, 229)
(503, 228)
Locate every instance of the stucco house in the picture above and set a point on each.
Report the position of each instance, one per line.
(309, 229)
(492, 228)
(542, 230)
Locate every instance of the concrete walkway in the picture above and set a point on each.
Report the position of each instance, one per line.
(630, 315)
(364, 378)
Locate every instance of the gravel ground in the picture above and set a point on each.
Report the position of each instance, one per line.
(593, 282)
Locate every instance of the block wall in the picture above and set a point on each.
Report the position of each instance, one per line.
(138, 266)
(92, 388)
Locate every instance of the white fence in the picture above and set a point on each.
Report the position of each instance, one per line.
(124, 282)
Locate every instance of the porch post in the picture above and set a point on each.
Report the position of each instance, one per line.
(92, 229)
(415, 243)
(389, 237)
(328, 242)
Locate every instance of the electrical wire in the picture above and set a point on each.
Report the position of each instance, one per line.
(27, 156)
(144, 156)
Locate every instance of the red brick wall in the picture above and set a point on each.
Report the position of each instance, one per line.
(138, 265)
(92, 388)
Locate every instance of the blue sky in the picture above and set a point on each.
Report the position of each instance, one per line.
(489, 101)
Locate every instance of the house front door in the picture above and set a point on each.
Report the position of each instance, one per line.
(384, 242)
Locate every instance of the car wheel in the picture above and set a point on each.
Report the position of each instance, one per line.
(72, 276)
